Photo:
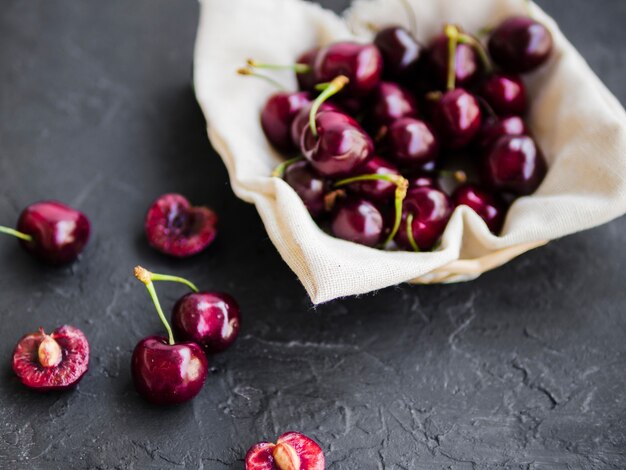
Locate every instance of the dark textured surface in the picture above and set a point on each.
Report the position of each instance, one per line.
(524, 368)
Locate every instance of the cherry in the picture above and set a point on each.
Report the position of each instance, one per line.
(457, 118)
(52, 362)
(302, 120)
(515, 164)
(165, 372)
(520, 44)
(51, 231)
(292, 451)
(176, 228)
(210, 319)
(466, 62)
(390, 102)
(505, 94)
(425, 214)
(375, 189)
(358, 220)
(307, 183)
(400, 52)
(423, 180)
(307, 79)
(411, 143)
(493, 128)
(362, 64)
(488, 206)
(277, 116)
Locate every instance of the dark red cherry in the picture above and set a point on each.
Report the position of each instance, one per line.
(339, 147)
(210, 319)
(488, 206)
(515, 164)
(51, 231)
(457, 118)
(467, 63)
(400, 52)
(377, 190)
(176, 228)
(301, 120)
(425, 214)
(520, 44)
(411, 143)
(277, 116)
(505, 94)
(292, 451)
(309, 185)
(361, 63)
(52, 362)
(358, 220)
(493, 128)
(388, 103)
(421, 180)
(166, 374)
(307, 80)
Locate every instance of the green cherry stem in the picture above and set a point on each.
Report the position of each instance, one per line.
(480, 50)
(246, 71)
(145, 276)
(279, 171)
(297, 68)
(453, 40)
(15, 233)
(334, 87)
(402, 185)
(409, 233)
(168, 278)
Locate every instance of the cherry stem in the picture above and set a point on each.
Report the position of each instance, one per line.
(298, 68)
(453, 40)
(15, 233)
(279, 171)
(334, 87)
(145, 276)
(479, 48)
(410, 13)
(487, 106)
(168, 278)
(402, 185)
(251, 73)
(458, 175)
(409, 233)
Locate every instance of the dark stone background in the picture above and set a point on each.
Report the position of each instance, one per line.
(523, 368)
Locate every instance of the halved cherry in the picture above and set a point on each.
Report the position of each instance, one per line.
(292, 451)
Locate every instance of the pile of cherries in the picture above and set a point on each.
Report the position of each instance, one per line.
(371, 154)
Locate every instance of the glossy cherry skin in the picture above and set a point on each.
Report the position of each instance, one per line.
(505, 94)
(467, 64)
(167, 374)
(71, 365)
(378, 190)
(309, 185)
(361, 63)
(340, 146)
(493, 128)
(176, 228)
(457, 118)
(292, 451)
(514, 164)
(277, 116)
(210, 319)
(301, 120)
(421, 180)
(520, 44)
(388, 103)
(59, 232)
(400, 52)
(488, 206)
(358, 220)
(412, 143)
(307, 80)
(431, 209)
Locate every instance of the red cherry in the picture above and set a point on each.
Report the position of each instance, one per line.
(390, 102)
(493, 128)
(457, 118)
(176, 228)
(400, 52)
(411, 143)
(277, 116)
(505, 94)
(358, 220)
(377, 190)
(301, 120)
(488, 206)
(467, 66)
(307, 80)
(52, 362)
(292, 451)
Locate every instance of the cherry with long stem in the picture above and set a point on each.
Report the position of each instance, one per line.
(16, 233)
(333, 87)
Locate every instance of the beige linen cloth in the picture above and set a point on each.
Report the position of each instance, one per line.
(580, 126)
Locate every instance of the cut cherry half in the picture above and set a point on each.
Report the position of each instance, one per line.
(292, 451)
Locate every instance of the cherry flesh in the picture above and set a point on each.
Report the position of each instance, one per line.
(176, 228)
(488, 206)
(457, 118)
(505, 94)
(390, 102)
(493, 128)
(51, 231)
(376, 190)
(411, 143)
(309, 185)
(400, 52)
(515, 164)
(466, 64)
(292, 451)
(358, 220)
(52, 362)
(277, 116)
(425, 213)
(210, 319)
(520, 44)
(307, 80)
(361, 63)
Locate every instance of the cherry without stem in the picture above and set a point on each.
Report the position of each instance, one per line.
(292, 451)
(488, 206)
(278, 115)
(400, 51)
